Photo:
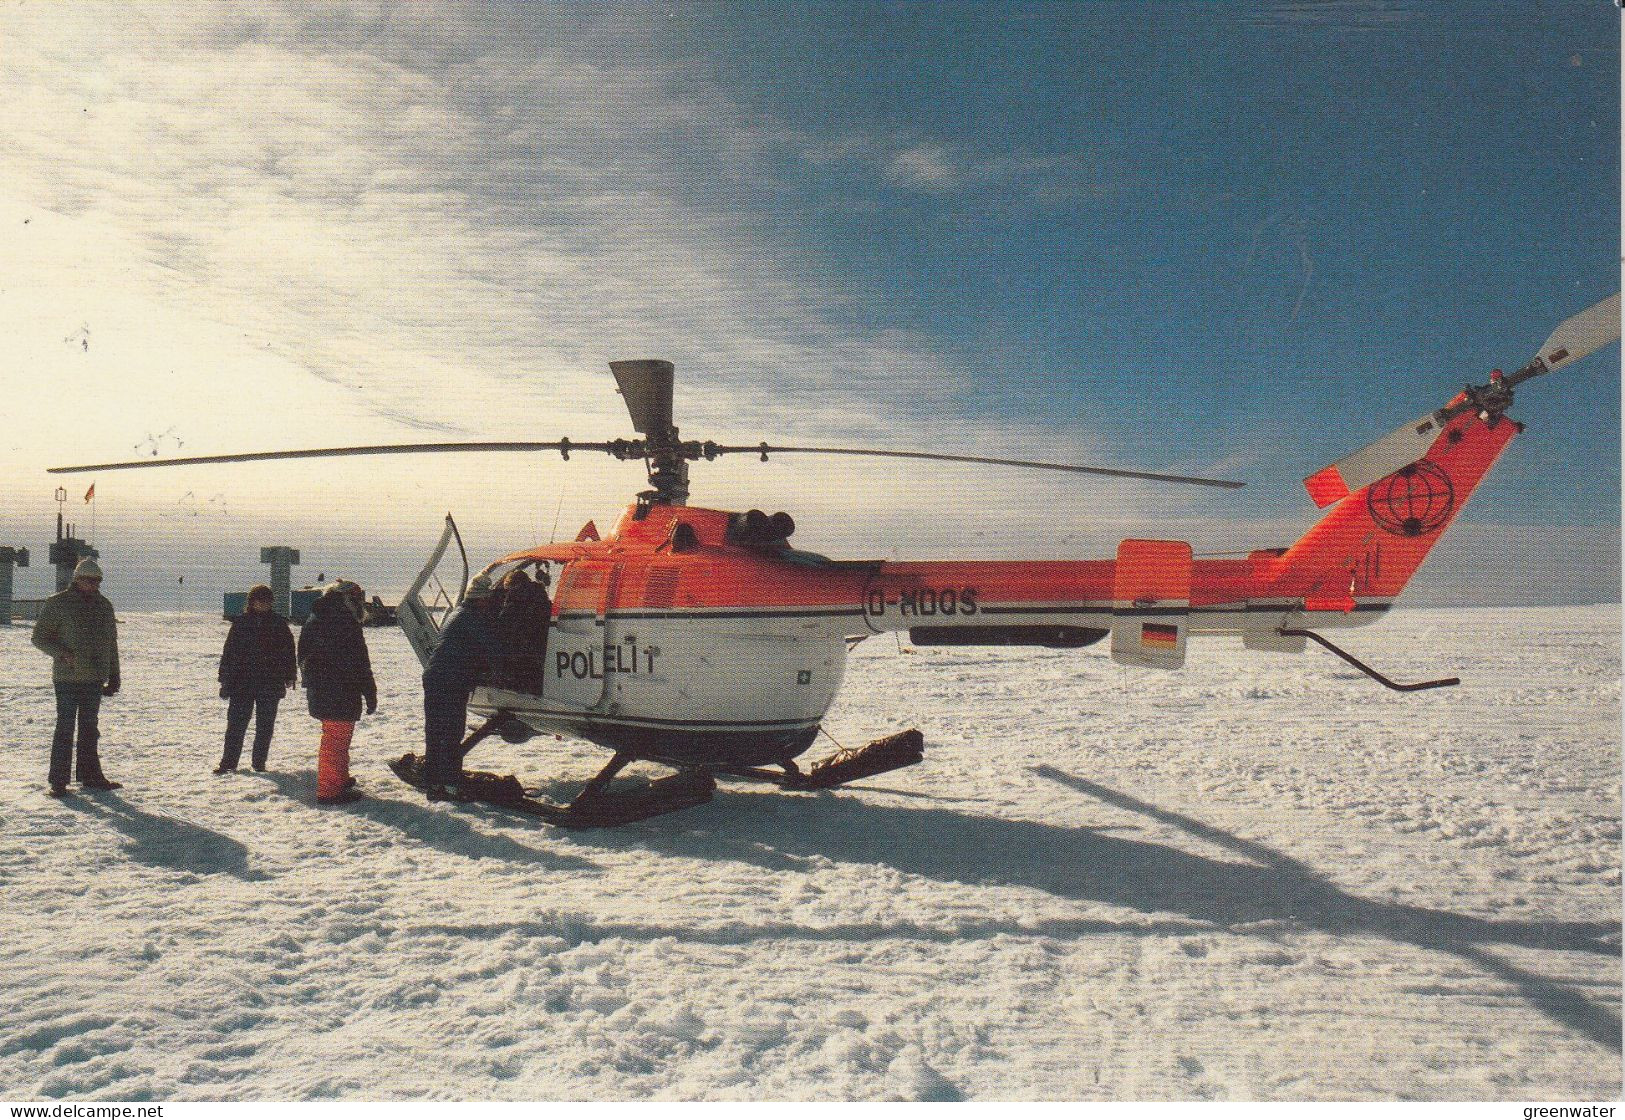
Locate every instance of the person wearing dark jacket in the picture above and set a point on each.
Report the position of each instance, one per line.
(77, 629)
(257, 668)
(467, 653)
(337, 673)
(521, 626)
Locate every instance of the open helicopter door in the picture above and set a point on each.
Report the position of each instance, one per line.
(422, 619)
(1151, 602)
(575, 670)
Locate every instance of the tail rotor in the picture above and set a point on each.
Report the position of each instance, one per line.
(1576, 337)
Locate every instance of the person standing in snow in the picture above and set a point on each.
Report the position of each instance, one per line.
(77, 629)
(337, 674)
(467, 653)
(257, 667)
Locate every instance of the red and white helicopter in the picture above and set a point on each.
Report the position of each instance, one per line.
(699, 639)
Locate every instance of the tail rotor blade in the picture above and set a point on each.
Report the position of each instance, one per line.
(1582, 335)
(1399, 448)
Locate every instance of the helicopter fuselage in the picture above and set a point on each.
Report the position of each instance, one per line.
(683, 638)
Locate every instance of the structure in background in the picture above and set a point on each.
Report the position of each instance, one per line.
(67, 550)
(376, 612)
(64, 554)
(292, 604)
(282, 559)
(9, 557)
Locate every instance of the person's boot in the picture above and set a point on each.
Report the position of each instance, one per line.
(343, 797)
(59, 789)
(224, 769)
(99, 780)
(449, 790)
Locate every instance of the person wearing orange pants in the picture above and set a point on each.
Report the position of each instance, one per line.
(338, 679)
(333, 781)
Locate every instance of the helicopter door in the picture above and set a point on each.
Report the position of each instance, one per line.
(575, 644)
(422, 618)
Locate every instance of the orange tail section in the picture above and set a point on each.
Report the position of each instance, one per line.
(1374, 539)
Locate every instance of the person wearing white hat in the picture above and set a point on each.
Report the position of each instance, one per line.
(76, 628)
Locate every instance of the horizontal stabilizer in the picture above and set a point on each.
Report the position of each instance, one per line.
(1151, 602)
(1400, 448)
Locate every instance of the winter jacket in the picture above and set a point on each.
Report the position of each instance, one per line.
(468, 650)
(333, 662)
(522, 632)
(83, 627)
(258, 661)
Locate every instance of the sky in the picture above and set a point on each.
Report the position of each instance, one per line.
(1237, 240)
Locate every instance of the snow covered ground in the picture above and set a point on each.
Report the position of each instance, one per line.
(1264, 877)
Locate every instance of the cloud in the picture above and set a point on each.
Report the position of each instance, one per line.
(395, 204)
(926, 167)
(1341, 16)
(431, 213)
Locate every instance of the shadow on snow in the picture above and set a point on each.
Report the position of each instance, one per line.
(445, 830)
(163, 841)
(1085, 864)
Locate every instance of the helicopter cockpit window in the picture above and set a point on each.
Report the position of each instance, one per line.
(499, 572)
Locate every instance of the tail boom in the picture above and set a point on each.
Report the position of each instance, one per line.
(1344, 571)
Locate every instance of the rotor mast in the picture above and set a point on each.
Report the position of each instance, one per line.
(647, 384)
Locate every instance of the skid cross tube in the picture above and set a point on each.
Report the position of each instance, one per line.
(1444, 682)
(484, 730)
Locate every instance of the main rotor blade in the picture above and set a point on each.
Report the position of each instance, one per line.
(334, 452)
(765, 450)
(646, 383)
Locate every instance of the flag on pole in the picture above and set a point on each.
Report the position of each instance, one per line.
(91, 493)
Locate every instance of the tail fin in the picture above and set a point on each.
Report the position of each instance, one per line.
(1373, 540)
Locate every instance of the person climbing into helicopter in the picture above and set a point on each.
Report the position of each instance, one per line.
(467, 654)
(522, 622)
(338, 677)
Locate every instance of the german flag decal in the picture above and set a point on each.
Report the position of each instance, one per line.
(1159, 634)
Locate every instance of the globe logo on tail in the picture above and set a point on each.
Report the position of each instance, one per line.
(1413, 500)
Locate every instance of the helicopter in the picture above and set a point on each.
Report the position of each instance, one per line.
(702, 641)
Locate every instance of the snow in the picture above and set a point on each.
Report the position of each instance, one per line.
(1264, 877)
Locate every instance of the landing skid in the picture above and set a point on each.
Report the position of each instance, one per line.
(593, 807)
(891, 753)
(597, 806)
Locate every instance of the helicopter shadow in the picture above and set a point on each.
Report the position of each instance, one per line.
(446, 831)
(168, 842)
(1093, 865)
